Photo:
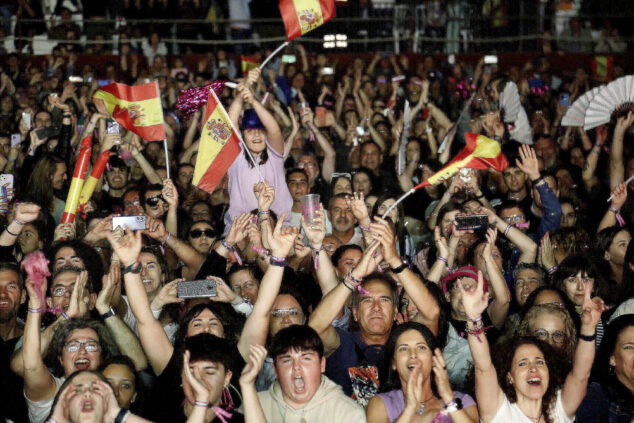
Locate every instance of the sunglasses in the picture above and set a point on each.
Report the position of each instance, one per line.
(336, 175)
(197, 233)
(154, 200)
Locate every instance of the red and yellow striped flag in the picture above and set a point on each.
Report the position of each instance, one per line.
(301, 16)
(137, 108)
(248, 63)
(219, 146)
(479, 153)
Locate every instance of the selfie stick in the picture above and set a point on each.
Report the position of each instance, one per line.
(630, 179)
(272, 55)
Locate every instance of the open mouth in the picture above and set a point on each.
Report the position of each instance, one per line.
(87, 406)
(535, 381)
(147, 282)
(4, 304)
(82, 364)
(298, 384)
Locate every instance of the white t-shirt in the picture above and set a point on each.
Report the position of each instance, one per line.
(39, 410)
(511, 413)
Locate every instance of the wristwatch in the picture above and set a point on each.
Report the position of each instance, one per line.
(107, 314)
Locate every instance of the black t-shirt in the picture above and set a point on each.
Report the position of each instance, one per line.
(11, 389)
(166, 401)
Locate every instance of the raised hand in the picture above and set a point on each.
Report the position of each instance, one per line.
(195, 380)
(439, 368)
(619, 195)
(224, 293)
(356, 202)
(168, 294)
(491, 235)
(253, 76)
(36, 294)
(110, 404)
(316, 230)
(104, 298)
(414, 390)
(282, 239)
(265, 195)
(591, 311)
(155, 229)
(623, 123)
(455, 185)
(238, 229)
(27, 212)
(441, 243)
(546, 253)
(127, 245)
(476, 300)
(64, 231)
(257, 354)
(170, 193)
(381, 231)
(367, 263)
(78, 305)
(527, 162)
(61, 412)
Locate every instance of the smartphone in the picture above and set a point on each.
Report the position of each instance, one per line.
(112, 127)
(490, 60)
(47, 132)
(76, 79)
(197, 289)
(6, 180)
(564, 100)
(398, 78)
(16, 139)
(473, 222)
(289, 58)
(360, 131)
(327, 71)
(320, 114)
(451, 59)
(26, 117)
(103, 82)
(134, 223)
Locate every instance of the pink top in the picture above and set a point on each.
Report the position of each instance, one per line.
(242, 178)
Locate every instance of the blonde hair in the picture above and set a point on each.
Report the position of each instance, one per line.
(526, 326)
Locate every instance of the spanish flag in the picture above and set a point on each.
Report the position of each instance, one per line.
(219, 146)
(248, 63)
(136, 108)
(480, 153)
(301, 16)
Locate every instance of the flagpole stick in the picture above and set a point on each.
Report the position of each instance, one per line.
(630, 179)
(167, 158)
(403, 197)
(272, 55)
(244, 145)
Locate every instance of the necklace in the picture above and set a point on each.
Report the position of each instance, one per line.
(533, 419)
(421, 410)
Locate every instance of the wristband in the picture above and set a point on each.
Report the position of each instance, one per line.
(123, 414)
(365, 228)
(19, 222)
(508, 228)
(552, 270)
(588, 338)
(201, 404)
(65, 316)
(232, 249)
(479, 196)
(277, 261)
(169, 235)
(133, 268)
(399, 269)
(316, 255)
(453, 405)
(51, 420)
(34, 310)
(9, 232)
(617, 214)
(260, 250)
(538, 180)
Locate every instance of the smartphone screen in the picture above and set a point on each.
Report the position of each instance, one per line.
(564, 100)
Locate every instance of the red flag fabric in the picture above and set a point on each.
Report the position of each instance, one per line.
(479, 153)
(302, 16)
(248, 63)
(219, 146)
(137, 108)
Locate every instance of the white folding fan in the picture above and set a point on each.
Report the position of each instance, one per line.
(510, 102)
(520, 130)
(610, 102)
(576, 113)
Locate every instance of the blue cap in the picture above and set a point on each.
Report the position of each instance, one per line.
(250, 120)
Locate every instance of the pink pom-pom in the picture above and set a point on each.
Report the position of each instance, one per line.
(36, 267)
(193, 99)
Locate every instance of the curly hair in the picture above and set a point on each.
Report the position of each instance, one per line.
(93, 262)
(527, 325)
(503, 362)
(108, 347)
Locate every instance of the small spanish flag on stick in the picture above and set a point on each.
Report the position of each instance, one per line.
(301, 16)
(248, 63)
(479, 153)
(137, 108)
(219, 146)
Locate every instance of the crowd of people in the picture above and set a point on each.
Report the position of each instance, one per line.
(351, 314)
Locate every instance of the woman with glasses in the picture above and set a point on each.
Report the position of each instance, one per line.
(552, 324)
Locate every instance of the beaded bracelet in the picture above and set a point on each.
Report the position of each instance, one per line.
(232, 250)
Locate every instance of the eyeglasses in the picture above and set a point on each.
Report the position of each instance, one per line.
(336, 175)
(132, 203)
(514, 218)
(61, 291)
(281, 312)
(197, 233)
(154, 200)
(308, 165)
(247, 285)
(557, 336)
(528, 282)
(89, 346)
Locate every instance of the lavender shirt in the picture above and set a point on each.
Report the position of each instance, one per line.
(242, 178)
(394, 402)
